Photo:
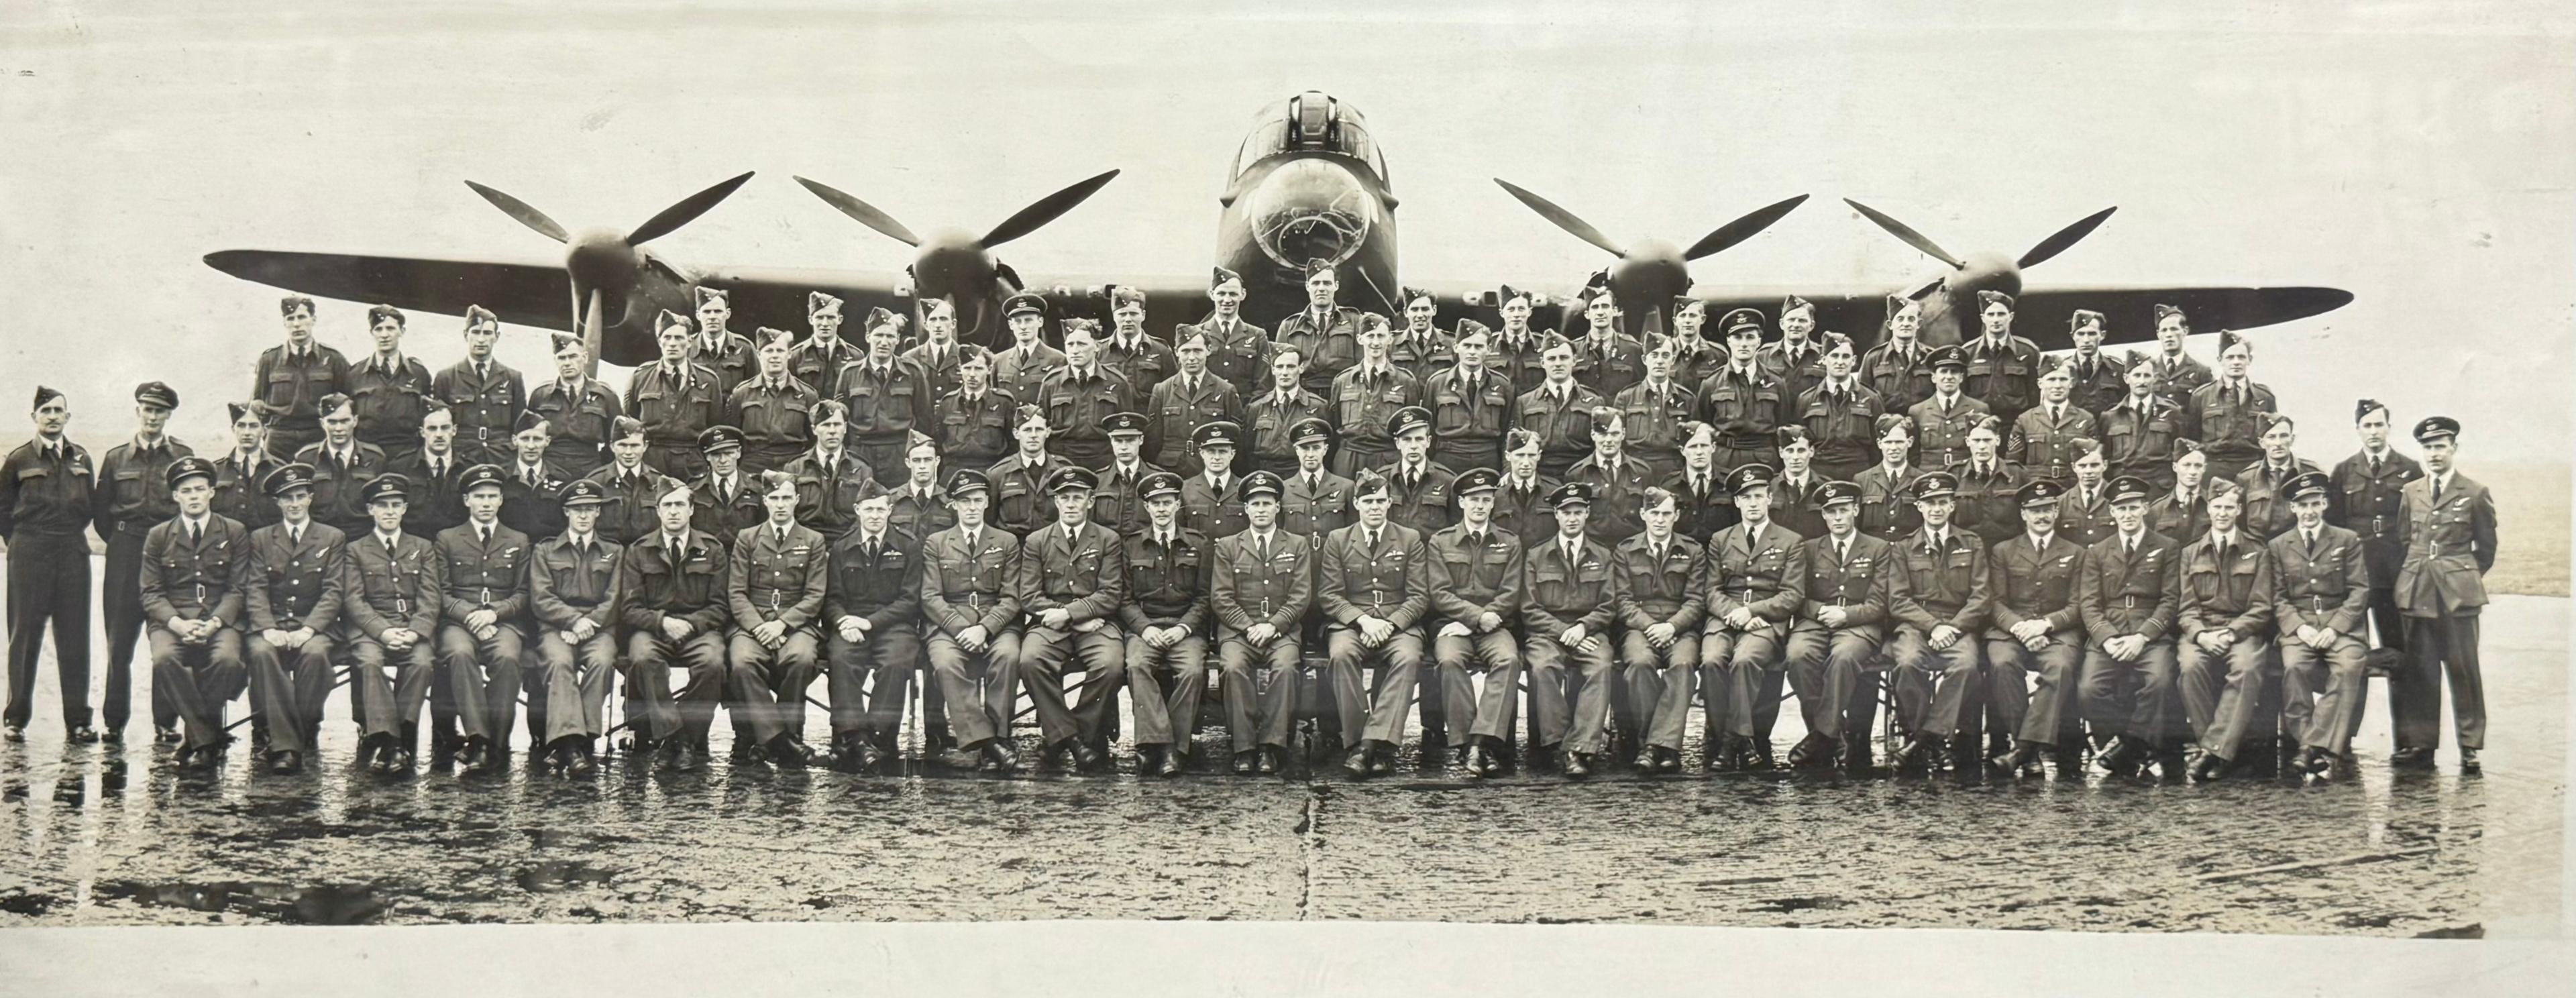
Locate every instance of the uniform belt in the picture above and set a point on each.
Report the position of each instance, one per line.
(132, 527)
(1749, 442)
(482, 434)
(402, 605)
(2320, 602)
(974, 599)
(2128, 602)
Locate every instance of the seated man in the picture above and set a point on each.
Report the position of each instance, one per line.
(1939, 609)
(1069, 590)
(2321, 584)
(1165, 612)
(1663, 593)
(775, 590)
(2128, 609)
(2223, 632)
(1263, 587)
(1476, 595)
(392, 584)
(191, 564)
(1753, 573)
(1374, 586)
(868, 609)
(292, 597)
(1573, 597)
(2034, 627)
(480, 637)
(671, 601)
(1850, 583)
(572, 597)
(970, 615)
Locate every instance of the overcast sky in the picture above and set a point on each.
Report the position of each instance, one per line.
(2415, 157)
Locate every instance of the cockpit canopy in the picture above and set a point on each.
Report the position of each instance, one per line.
(1310, 122)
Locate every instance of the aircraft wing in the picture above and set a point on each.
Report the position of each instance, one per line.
(2041, 313)
(775, 296)
(528, 293)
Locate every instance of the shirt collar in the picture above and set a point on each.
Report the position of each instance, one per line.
(389, 540)
(579, 540)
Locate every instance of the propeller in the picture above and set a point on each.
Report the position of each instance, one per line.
(605, 264)
(1651, 271)
(959, 266)
(2046, 249)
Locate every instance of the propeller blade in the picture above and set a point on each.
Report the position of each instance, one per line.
(1741, 229)
(527, 214)
(866, 214)
(1045, 210)
(684, 212)
(2065, 237)
(593, 326)
(1911, 237)
(1564, 219)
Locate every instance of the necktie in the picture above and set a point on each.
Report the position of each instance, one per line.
(196, 533)
(675, 542)
(782, 534)
(2374, 466)
(1655, 554)
(872, 549)
(1570, 554)
(2311, 540)
(294, 537)
(2130, 546)
(2437, 489)
(1842, 551)
(971, 537)
(389, 540)
(486, 532)
(482, 372)
(1261, 548)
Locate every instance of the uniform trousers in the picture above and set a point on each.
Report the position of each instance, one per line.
(1656, 685)
(49, 584)
(1931, 685)
(1373, 714)
(2323, 691)
(1259, 688)
(120, 597)
(1824, 666)
(202, 677)
(578, 676)
(871, 679)
(2438, 647)
(289, 687)
(2221, 692)
(2049, 715)
(978, 692)
(387, 703)
(1456, 659)
(664, 714)
(2128, 698)
(483, 676)
(1739, 680)
(1570, 690)
(765, 687)
(1164, 687)
(1731, 458)
(1046, 653)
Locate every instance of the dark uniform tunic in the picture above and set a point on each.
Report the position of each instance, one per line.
(973, 432)
(569, 583)
(1985, 504)
(2140, 442)
(1886, 506)
(1705, 505)
(2177, 376)
(2032, 582)
(2042, 442)
(1020, 501)
(783, 578)
(2177, 515)
(675, 404)
(2322, 583)
(819, 365)
(1313, 506)
(293, 383)
(292, 583)
(1119, 502)
(485, 404)
(383, 587)
(484, 674)
(434, 504)
(1330, 344)
(1076, 570)
(1653, 416)
(2365, 497)
(660, 580)
(725, 508)
(886, 405)
(776, 420)
(1562, 418)
(1900, 378)
(920, 511)
(1474, 573)
(1863, 577)
(2122, 592)
(237, 491)
(1174, 412)
(1144, 362)
(1167, 586)
(1423, 353)
(1212, 508)
(197, 574)
(1841, 421)
(1569, 710)
(938, 365)
(1519, 361)
(1238, 352)
(2449, 539)
(1745, 409)
(1420, 496)
(1270, 418)
(1941, 432)
(629, 514)
(827, 498)
(1261, 583)
(2085, 517)
(2099, 383)
(1945, 583)
(2267, 514)
(2227, 590)
(1617, 493)
(729, 355)
(1023, 370)
(133, 497)
(877, 580)
(532, 499)
(1740, 669)
(577, 418)
(1364, 401)
(2002, 373)
(1609, 364)
(337, 478)
(391, 399)
(1798, 368)
(1468, 416)
(1521, 509)
(1075, 403)
(2229, 421)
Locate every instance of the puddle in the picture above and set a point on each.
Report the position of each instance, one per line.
(329, 904)
(23, 903)
(555, 875)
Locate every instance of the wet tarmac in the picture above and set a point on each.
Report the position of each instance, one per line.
(99, 837)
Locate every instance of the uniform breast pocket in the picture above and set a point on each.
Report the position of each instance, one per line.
(2202, 583)
(900, 397)
(2159, 426)
(2015, 369)
(281, 387)
(1769, 398)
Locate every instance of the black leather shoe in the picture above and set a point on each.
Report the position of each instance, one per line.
(1273, 759)
(583, 762)
(1472, 760)
(286, 763)
(789, 753)
(1245, 763)
(1175, 762)
(113, 736)
(2314, 761)
(1909, 756)
(2469, 760)
(165, 736)
(1761, 760)
(14, 732)
(83, 735)
(1810, 750)
(2412, 758)
(2210, 767)
(1357, 763)
(1089, 758)
(1576, 765)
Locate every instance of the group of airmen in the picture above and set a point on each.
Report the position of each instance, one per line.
(2108, 558)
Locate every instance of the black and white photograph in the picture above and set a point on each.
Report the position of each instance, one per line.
(1528, 479)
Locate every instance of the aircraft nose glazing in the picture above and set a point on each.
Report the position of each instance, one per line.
(1309, 209)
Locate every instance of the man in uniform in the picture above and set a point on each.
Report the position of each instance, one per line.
(46, 506)
(1144, 360)
(919, 508)
(1313, 502)
(1374, 587)
(1840, 415)
(1080, 396)
(1470, 405)
(1168, 568)
(1262, 589)
(481, 637)
(392, 587)
(627, 484)
(1753, 574)
(432, 470)
(1573, 598)
(2036, 628)
(2223, 633)
(2322, 589)
(938, 352)
(1848, 590)
(2043, 436)
(133, 497)
(1518, 349)
(1324, 333)
(2369, 493)
(778, 575)
(195, 566)
(724, 499)
(240, 470)
(1885, 511)
(2230, 414)
(1558, 410)
(1699, 485)
(391, 390)
(1070, 586)
(830, 482)
(292, 597)
(1986, 506)
(2128, 608)
(1939, 610)
(1019, 497)
(671, 599)
(1895, 369)
(1617, 479)
(1366, 398)
(2084, 510)
(1663, 594)
(1694, 355)
(676, 399)
(2098, 379)
(1520, 501)
(1183, 403)
(819, 359)
(2447, 527)
(1476, 596)
(1796, 359)
(2267, 480)
(1238, 351)
(773, 410)
(1421, 486)
(1118, 503)
(1286, 406)
(1740, 399)
(487, 395)
(342, 463)
(723, 351)
(870, 643)
(1022, 367)
(888, 398)
(1793, 494)
(973, 423)
(2176, 373)
(578, 411)
(1420, 348)
(532, 490)
(293, 378)
(1605, 359)
(1941, 422)
(1212, 500)
(970, 615)
(572, 604)
(2138, 435)
(2003, 369)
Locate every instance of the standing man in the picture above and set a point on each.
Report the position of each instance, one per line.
(1476, 595)
(672, 601)
(1939, 609)
(2368, 497)
(1840, 415)
(1366, 398)
(829, 482)
(726, 501)
(294, 377)
(773, 410)
(1080, 396)
(1421, 349)
(2230, 414)
(779, 573)
(134, 497)
(578, 411)
(1326, 334)
(970, 612)
(870, 643)
(1520, 504)
(1753, 573)
(195, 566)
(820, 358)
(486, 394)
(2223, 633)
(1263, 587)
(45, 513)
(1421, 486)
(1212, 501)
(341, 465)
(2322, 584)
(1850, 583)
(627, 485)
(2267, 480)
(2126, 595)
(1617, 479)
(240, 470)
(2176, 373)
(919, 507)
(1793, 493)
(1238, 351)
(887, 397)
(1573, 597)
(1070, 587)
(1374, 588)
(1895, 368)
(1470, 405)
(938, 352)
(2003, 369)
(1022, 367)
(1559, 411)
(2099, 379)
(1741, 399)
(1118, 503)
(532, 494)
(2043, 436)
(727, 353)
(433, 470)
(2448, 529)
(1181, 404)
(1313, 501)
(392, 584)
(676, 400)
(1286, 406)
(481, 637)
(2037, 628)
(1885, 512)
(973, 423)
(391, 391)
(1986, 506)
(1941, 423)
(292, 593)
(1607, 360)
(1144, 360)
(1168, 568)
(2139, 434)
(1020, 503)
(1796, 359)
(1663, 594)
(572, 600)
(1517, 347)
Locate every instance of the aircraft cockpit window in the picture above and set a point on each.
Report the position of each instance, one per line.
(1356, 144)
(1267, 138)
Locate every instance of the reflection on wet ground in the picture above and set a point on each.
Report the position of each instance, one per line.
(100, 838)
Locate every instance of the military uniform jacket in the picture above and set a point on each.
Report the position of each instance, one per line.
(567, 584)
(1271, 417)
(1616, 495)
(237, 491)
(2449, 546)
(675, 402)
(827, 499)
(1250, 589)
(1117, 504)
(433, 504)
(2043, 444)
(965, 586)
(2177, 376)
(2368, 503)
(1561, 418)
(1941, 434)
(1520, 507)
(1900, 377)
(1885, 512)
(2266, 513)
(1313, 506)
(1364, 400)
(577, 418)
(1076, 402)
(2084, 516)
(1020, 503)
(777, 578)
(819, 365)
(1609, 362)
(1175, 412)
(884, 590)
(292, 585)
(1564, 591)
(2004, 373)
(886, 403)
(938, 364)
(1986, 504)
(1213, 509)
(973, 432)
(772, 416)
(1423, 352)
(1024, 369)
(1797, 368)
(2232, 592)
(1945, 582)
(531, 499)
(485, 405)
(1760, 573)
(1389, 579)
(1330, 343)
(1518, 360)
(382, 589)
(1078, 571)
(1793, 505)
(2174, 514)
(723, 508)
(2229, 419)
(293, 382)
(1744, 410)
(1841, 422)
(2032, 582)
(390, 398)
(2099, 383)
(1143, 361)
(656, 580)
(629, 512)
(1472, 577)
(2138, 442)
(337, 477)
(1238, 352)
(2323, 585)
(481, 574)
(1421, 496)
(1867, 583)
(1167, 585)
(133, 490)
(1470, 414)
(2123, 593)
(1653, 415)
(198, 579)
(1671, 589)
(1705, 505)
(920, 511)
(729, 355)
